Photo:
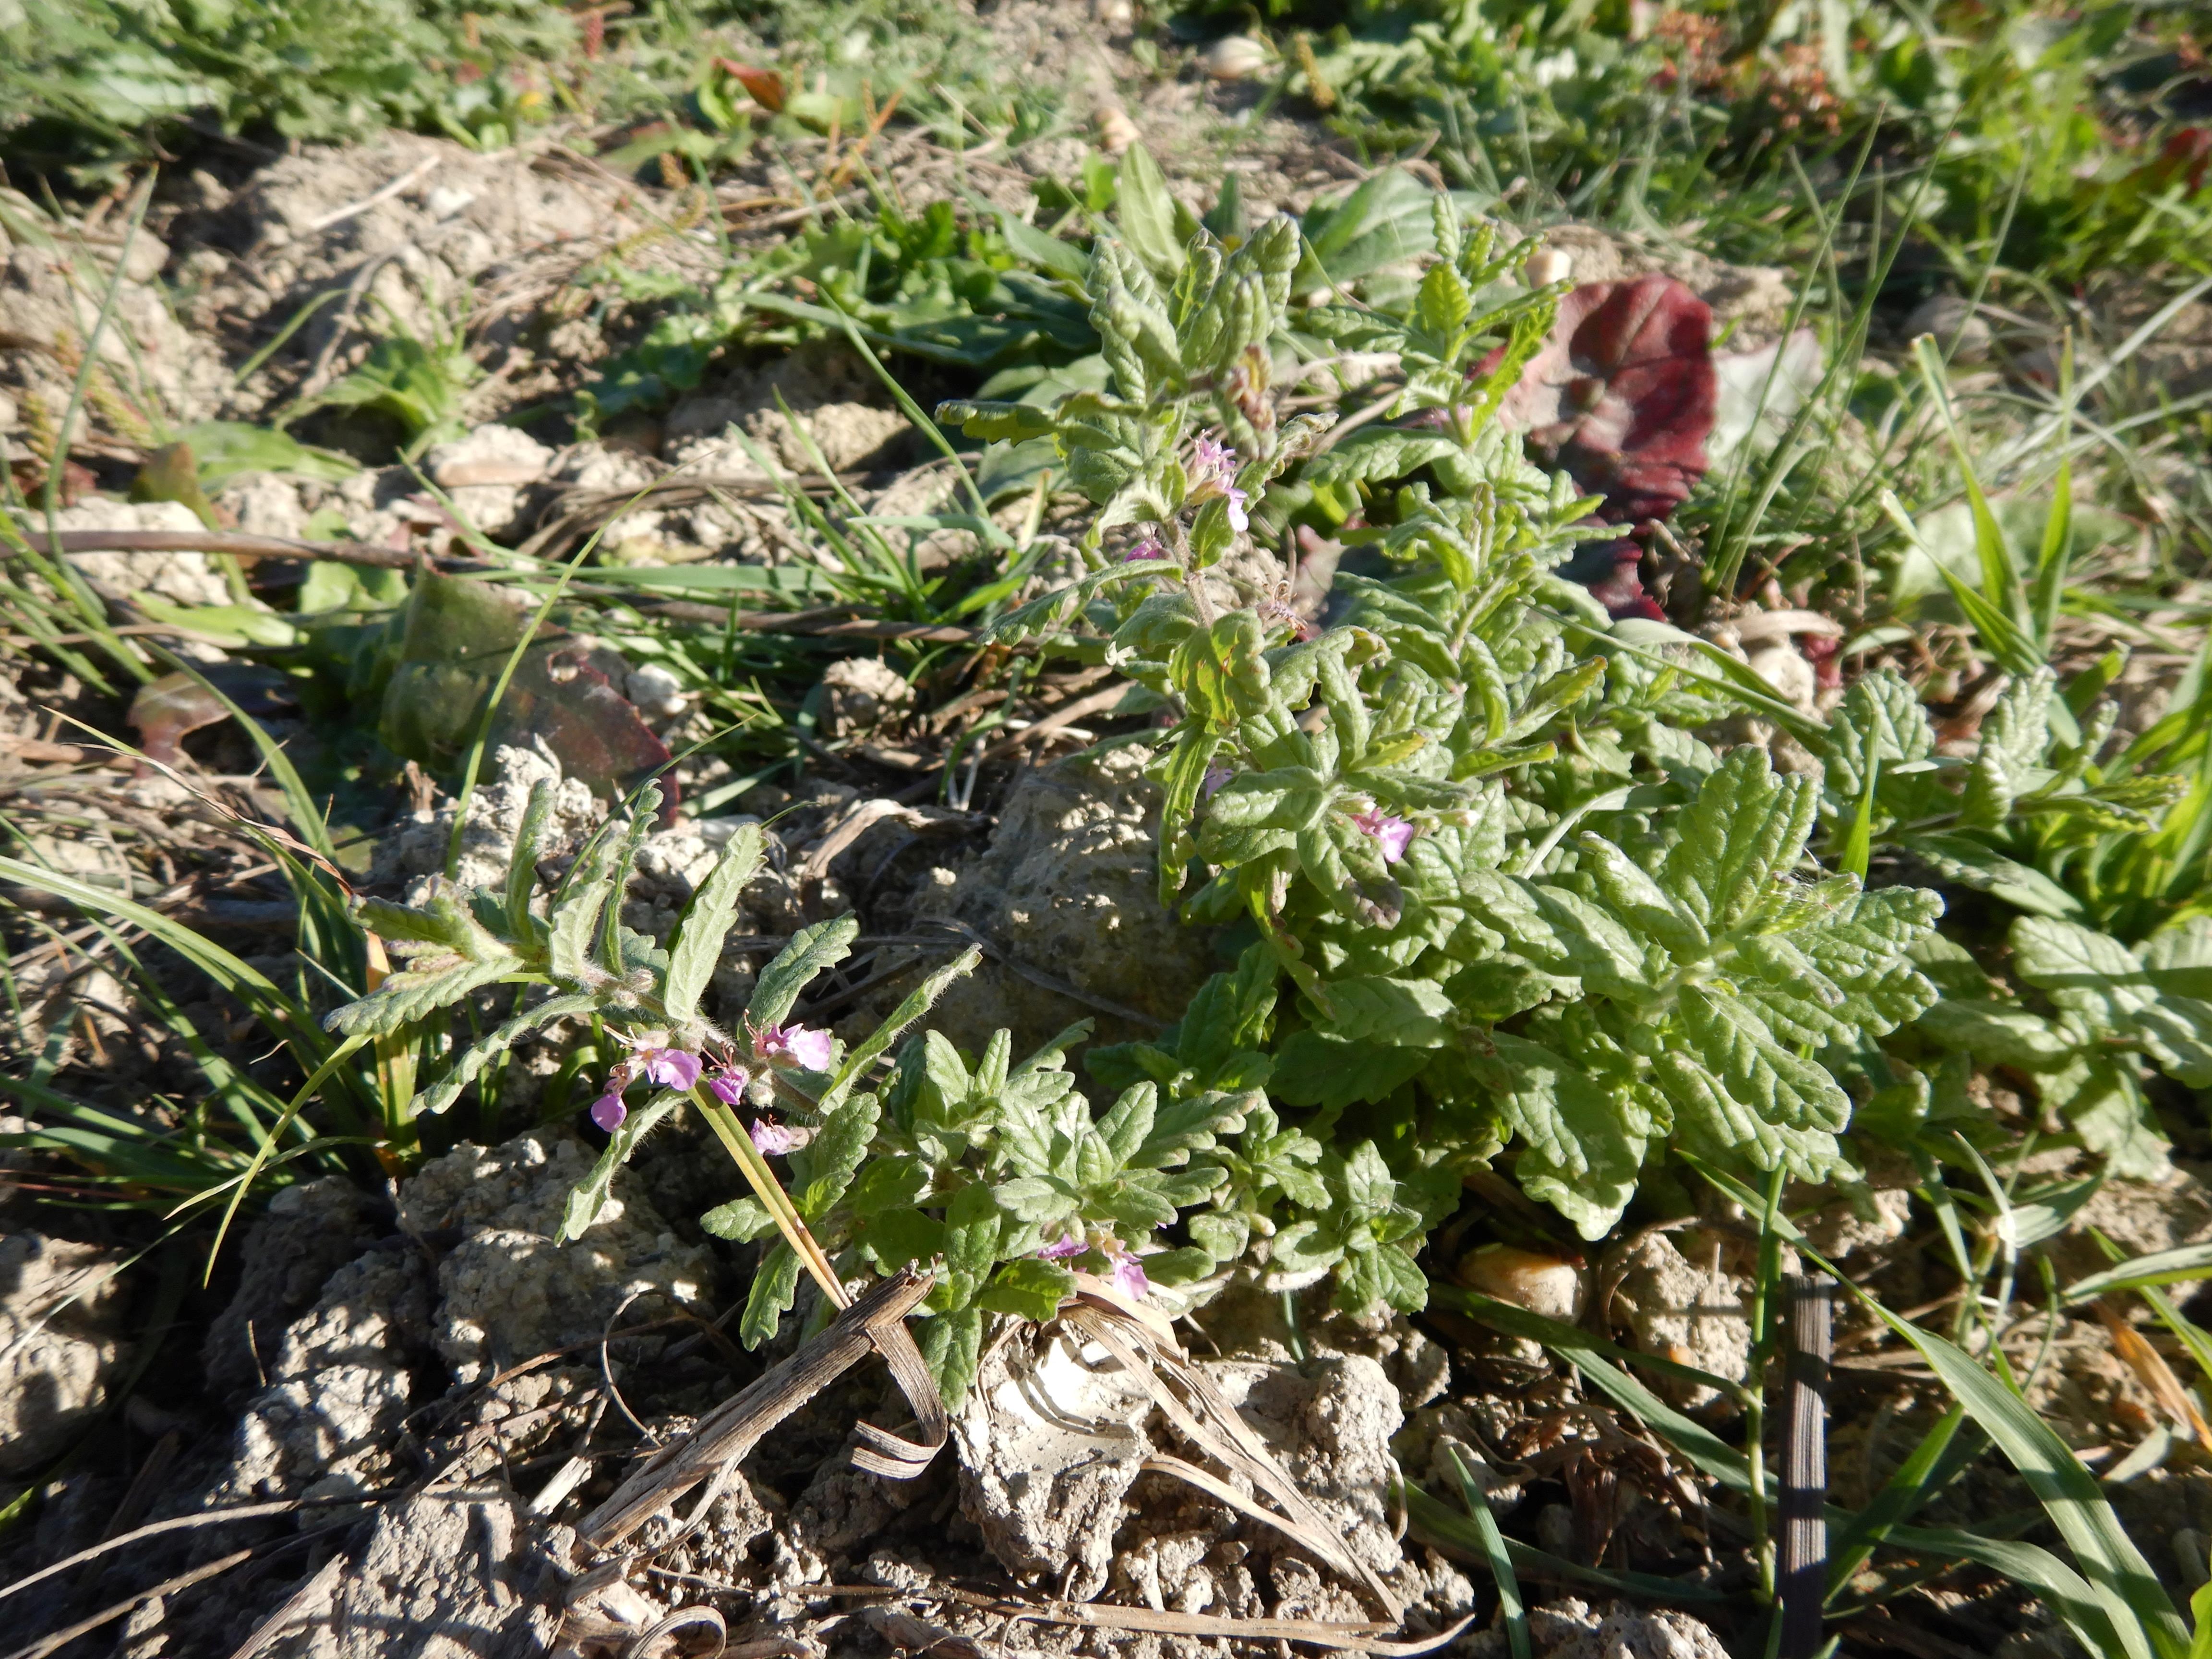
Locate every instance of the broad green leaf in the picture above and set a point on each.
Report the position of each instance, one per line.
(1881, 725)
(952, 1346)
(1144, 214)
(2015, 738)
(1583, 1145)
(824, 1168)
(1314, 1069)
(741, 1220)
(1407, 1013)
(1746, 828)
(574, 920)
(407, 997)
(1027, 1288)
(522, 862)
(1962, 858)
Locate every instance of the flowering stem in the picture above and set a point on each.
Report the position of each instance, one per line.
(1194, 582)
(763, 1182)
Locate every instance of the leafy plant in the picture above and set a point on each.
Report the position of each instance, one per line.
(1388, 802)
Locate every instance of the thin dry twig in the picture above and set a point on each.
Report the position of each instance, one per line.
(726, 1434)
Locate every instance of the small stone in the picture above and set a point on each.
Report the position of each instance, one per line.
(1546, 267)
(657, 692)
(1958, 327)
(1233, 57)
(1543, 1284)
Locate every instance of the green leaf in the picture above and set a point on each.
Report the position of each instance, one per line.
(1404, 1013)
(522, 863)
(916, 1003)
(1028, 1289)
(741, 1220)
(1962, 858)
(775, 1286)
(469, 1066)
(812, 950)
(2008, 765)
(695, 950)
(1879, 727)
(1315, 1069)
(823, 1169)
(587, 1196)
(2142, 1615)
(573, 923)
(1781, 1088)
(1745, 828)
(1146, 214)
(1583, 1147)
(2186, 1264)
(407, 997)
(952, 1346)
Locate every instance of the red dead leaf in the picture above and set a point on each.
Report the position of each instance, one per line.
(166, 709)
(1622, 397)
(765, 86)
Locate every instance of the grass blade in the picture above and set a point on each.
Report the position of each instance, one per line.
(1501, 1563)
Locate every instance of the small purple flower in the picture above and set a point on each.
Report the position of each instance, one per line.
(1238, 517)
(1213, 463)
(1149, 548)
(1129, 1276)
(729, 1084)
(808, 1050)
(608, 1111)
(773, 1140)
(671, 1068)
(1392, 835)
(1073, 1244)
(1216, 775)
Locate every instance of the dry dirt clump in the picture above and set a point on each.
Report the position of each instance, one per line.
(1068, 887)
(61, 1342)
(415, 234)
(508, 1292)
(152, 369)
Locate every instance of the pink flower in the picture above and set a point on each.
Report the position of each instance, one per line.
(1238, 517)
(671, 1068)
(1213, 463)
(1392, 835)
(1210, 785)
(773, 1140)
(808, 1050)
(608, 1111)
(729, 1084)
(1073, 1244)
(1149, 548)
(1129, 1276)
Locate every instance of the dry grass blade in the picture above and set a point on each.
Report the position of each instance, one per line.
(1309, 1632)
(152, 1529)
(726, 1434)
(1336, 1635)
(2150, 1368)
(62, 1638)
(882, 1452)
(1200, 1411)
